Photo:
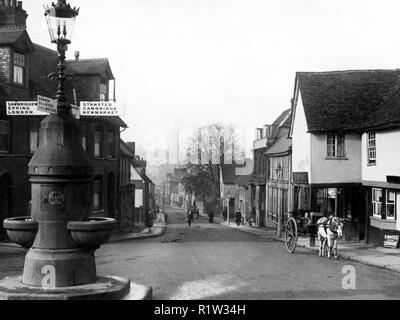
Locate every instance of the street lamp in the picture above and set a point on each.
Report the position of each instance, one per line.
(228, 196)
(62, 254)
(278, 171)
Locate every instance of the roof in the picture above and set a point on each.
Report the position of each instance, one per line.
(242, 181)
(45, 63)
(343, 100)
(125, 150)
(90, 67)
(282, 144)
(229, 173)
(387, 115)
(113, 120)
(16, 36)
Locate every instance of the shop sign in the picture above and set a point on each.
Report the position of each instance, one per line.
(391, 241)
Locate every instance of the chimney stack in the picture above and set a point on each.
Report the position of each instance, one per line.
(77, 54)
(12, 14)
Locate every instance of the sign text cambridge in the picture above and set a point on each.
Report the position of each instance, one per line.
(101, 108)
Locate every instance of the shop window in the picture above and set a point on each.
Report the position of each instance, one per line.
(4, 136)
(98, 194)
(377, 202)
(98, 142)
(372, 148)
(390, 205)
(336, 147)
(19, 68)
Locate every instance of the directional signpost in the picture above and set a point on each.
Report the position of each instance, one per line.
(101, 109)
(24, 108)
(46, 104)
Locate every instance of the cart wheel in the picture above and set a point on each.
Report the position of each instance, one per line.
(291, 235)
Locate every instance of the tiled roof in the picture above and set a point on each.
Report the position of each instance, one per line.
(45, 63)
(125, 149)
(343, 100)
(91, 67)
(16, 36)
(282, 144)
(242, 181)
(229, 173)
(113, 120)
(387, 115)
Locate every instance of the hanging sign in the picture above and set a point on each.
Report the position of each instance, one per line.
(75, 111)
(101, 109)
(46, 104)
(23, 108)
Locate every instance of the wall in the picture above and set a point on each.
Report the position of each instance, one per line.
(387, 155)
(301, 141)
(336, 171)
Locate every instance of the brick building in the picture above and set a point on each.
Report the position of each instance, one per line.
(23, 67)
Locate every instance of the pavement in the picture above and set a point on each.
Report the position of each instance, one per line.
(360, 252)
(157, 230)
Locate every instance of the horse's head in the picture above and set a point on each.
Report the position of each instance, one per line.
(337, 225)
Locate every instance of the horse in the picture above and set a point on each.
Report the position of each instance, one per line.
(329, 231)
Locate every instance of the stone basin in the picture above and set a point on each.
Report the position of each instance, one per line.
(91, 234)
(21, 230)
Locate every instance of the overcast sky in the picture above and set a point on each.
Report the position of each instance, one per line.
(233, 61)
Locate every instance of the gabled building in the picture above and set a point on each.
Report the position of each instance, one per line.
(23, 70)
(279, 170)
(328, 113)
(380, 151)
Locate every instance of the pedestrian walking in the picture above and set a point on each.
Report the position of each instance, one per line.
(238, 217)
(190, 217)
(211, 217)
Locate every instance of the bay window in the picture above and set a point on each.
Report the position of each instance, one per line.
(390, 205)
(377, 202)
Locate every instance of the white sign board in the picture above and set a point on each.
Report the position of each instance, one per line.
(75, 111)
(101, 109)
(46, 104)
(24, 108)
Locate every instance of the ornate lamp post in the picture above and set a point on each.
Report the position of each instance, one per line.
(60, 234)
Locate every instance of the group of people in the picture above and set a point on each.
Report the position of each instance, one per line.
(195, 210)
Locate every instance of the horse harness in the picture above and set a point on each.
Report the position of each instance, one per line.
(328, 224)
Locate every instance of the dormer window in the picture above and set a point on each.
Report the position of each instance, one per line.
(19, 68)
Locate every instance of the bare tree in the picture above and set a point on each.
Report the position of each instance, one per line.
(208, 147)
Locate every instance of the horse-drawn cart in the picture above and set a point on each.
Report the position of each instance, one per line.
(300, 223)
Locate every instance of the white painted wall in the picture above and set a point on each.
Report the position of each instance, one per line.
(301, 141)
(387, 155)
(138, 198)
(336, 171)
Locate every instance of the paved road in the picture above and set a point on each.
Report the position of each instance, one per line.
(216, 262)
